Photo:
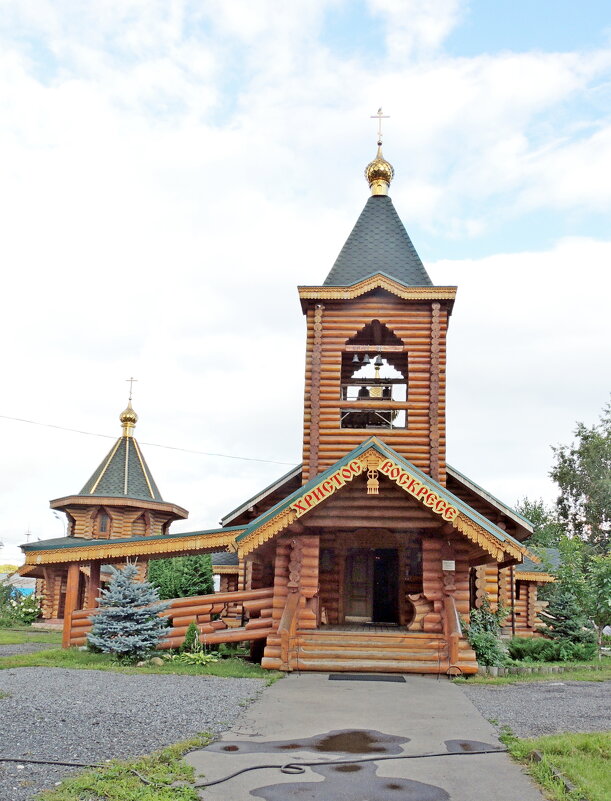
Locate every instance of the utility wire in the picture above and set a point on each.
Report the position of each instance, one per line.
(148, 444)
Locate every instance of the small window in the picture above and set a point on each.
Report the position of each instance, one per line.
(104, 523)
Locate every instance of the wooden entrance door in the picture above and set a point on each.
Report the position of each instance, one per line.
(359, 586)
(372, 585)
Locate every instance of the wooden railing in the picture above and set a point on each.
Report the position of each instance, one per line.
(452, 630)
(287, 628)
(206, 611)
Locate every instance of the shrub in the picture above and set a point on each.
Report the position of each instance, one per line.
(524, 649)
(191, 643)
(484, 634)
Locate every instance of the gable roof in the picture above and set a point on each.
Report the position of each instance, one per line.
(463, 517)
(293, 473)
(461, 478)
(123, 473)
(378, 243)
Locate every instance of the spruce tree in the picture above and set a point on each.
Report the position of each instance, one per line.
(128, 623)
(564, 619)
(197, 576)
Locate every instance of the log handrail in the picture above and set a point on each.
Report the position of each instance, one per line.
(287, 628)
(453, 629)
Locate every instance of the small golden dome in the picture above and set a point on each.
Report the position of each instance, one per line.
(379, 173)
(128, 418)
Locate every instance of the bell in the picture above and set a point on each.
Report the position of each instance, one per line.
(378, 361)
(366, 359)
(355, 359)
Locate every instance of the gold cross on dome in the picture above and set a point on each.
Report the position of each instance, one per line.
(131, 385)
(380, 116)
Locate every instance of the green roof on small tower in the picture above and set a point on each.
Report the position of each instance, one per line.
(378, 242)
(124, 473)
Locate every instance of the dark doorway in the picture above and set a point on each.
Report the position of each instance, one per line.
(385, 585)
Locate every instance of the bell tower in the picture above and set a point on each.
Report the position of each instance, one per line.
(376, 344)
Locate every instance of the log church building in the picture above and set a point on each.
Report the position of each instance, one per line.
(367, 555)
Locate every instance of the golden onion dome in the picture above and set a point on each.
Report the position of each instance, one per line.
(379, 173)
(128, 418)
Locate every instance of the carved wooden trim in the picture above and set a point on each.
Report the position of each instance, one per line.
(434, 393)
(315, 390)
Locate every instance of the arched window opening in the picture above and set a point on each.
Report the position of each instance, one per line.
(102, 525)
(374, 379)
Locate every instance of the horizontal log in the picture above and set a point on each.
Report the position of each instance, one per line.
(259, 623)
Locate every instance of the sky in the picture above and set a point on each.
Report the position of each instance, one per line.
(171, 171)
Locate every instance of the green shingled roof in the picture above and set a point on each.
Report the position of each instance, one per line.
(123, 474)
(378, 244)
(550, 561)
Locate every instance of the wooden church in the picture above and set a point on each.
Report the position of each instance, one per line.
(367, 555)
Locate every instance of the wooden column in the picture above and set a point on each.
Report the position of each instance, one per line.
(434, 395)
(93, 586)
(72, 588)
(315, 393)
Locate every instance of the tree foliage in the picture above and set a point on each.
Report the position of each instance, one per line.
(128, 623)
(547, 530)
(582, 470)
(182, 576)
(598, 605)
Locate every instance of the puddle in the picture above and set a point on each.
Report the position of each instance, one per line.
(348, 741)
(344, 785)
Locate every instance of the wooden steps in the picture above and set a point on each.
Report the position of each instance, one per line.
(358, 651)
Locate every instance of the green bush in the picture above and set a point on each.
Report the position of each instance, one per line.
(484, 634)
(16, 607)
(536, 649)
(191, 644)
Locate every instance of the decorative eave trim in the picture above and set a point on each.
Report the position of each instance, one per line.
(113, 500)
(222, 569)
(489, 498)
(520, 575)
(372, 455)
(117, 550)
(377, 281)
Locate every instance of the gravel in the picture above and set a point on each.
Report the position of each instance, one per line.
(91, 715)
(25, 648)
(539, 708)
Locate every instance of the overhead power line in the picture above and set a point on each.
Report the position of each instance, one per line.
(148, 444)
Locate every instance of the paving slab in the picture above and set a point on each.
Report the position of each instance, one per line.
(309, 717)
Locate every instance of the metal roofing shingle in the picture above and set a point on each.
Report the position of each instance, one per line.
(224, 559)
(550, 561)
(378, 243)
(123, 473)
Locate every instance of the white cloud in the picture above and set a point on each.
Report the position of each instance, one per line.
(171, 171)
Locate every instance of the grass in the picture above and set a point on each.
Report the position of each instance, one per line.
(148, 778)
(582, 758)
(18, 635)
(576, 673)
(86, 660)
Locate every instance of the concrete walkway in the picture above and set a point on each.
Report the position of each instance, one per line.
(311, 717)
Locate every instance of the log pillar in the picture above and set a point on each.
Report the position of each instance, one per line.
(93, 585)
(72, 590)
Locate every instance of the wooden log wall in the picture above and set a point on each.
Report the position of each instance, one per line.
(201, 610)
(487, 583)
(123, 522)
(413, 323)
